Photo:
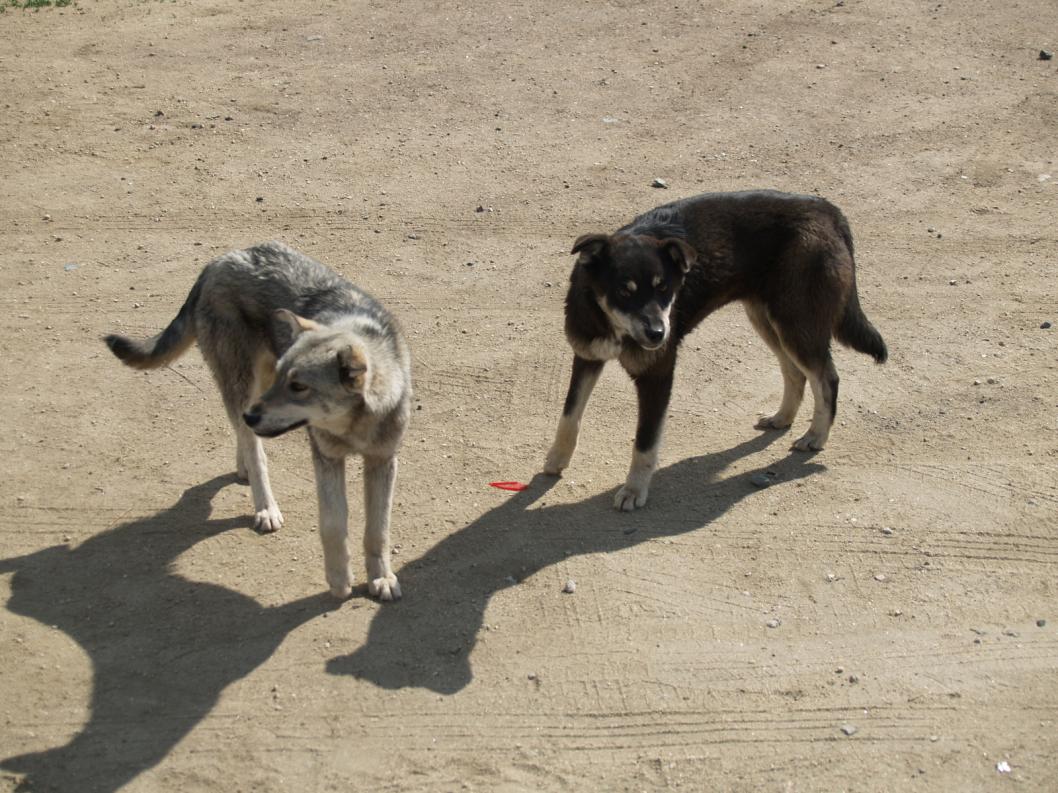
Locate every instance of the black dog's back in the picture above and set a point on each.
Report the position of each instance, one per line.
(792, 253)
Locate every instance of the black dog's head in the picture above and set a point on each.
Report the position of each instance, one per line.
(635, 279)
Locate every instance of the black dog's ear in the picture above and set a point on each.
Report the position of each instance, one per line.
(590, 246)
(680, 252)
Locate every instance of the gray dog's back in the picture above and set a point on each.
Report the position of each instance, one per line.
(231, 307)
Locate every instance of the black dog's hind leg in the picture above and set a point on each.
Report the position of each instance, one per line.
(823, 380)
(792, 377)
(653, 390)
(581, 383)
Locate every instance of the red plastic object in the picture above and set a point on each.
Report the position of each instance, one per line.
(515, 486)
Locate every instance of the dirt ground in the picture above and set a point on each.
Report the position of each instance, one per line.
(444, 156)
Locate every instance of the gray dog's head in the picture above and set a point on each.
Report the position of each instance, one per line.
(322, 377)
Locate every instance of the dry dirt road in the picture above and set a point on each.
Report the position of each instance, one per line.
(444, 156)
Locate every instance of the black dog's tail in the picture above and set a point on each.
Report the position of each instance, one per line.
(165, 347)
(854, 329)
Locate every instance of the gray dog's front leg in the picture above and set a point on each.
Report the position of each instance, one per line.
(334, 522)
(380, 474)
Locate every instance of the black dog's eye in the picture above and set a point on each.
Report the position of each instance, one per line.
(663, 287)
(297, 388)
(624, 293)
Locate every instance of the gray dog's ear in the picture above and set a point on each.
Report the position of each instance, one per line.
(298, 325)
(352, 367)
(590, 246)
(680, 252)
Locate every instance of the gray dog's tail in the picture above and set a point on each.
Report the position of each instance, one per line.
(165, 347)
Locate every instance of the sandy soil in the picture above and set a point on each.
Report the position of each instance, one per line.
(151, 641)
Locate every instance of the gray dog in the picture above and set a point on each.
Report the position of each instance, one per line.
(293, 344)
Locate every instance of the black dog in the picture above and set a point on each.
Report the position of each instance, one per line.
(635, 294)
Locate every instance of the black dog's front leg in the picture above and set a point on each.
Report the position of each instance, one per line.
(581, 383)
(653, 390)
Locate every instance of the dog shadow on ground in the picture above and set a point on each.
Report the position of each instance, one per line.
(424, 641)
(163, 648)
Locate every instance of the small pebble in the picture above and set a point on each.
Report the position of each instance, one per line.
(830, 578)
(1041, 623)
(887, 531)
(992, 381)
(854, 679)
(532, 676)
(659, 183)
(934, 738)
(1003, 767)
(570, 587)
(773, 623)
(630, 530)
(849, 729)
(880, 577)
(952, 282)
(1046, 55)
(760, 480)
(1044, 325)
(259, 199)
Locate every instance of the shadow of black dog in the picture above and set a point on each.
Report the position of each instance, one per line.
(424, 641)
(162, 648)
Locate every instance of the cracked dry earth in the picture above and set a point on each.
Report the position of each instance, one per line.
(867, 622)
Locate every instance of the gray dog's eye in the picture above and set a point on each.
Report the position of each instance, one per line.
(297, 388)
